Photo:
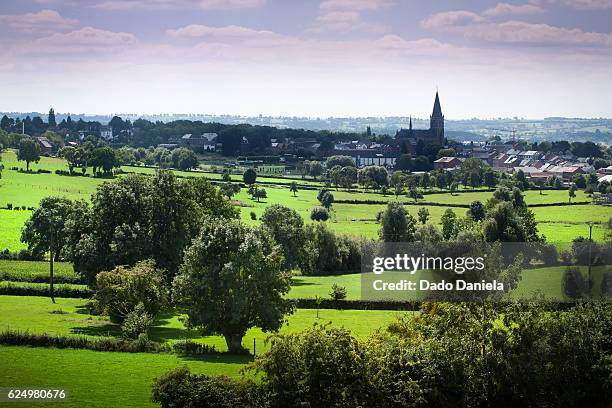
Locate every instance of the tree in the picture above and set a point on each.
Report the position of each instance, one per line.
(572, 192)
(337, 292)
(319, 214)
(260, 193)
(342, 161)
(287, 228)
(232, 280)
(29, 151)
(326, 198)
(315, 169)
(423, 215)
(415, 194)
(51, 119)
(45, 231)
(121, 290)
(450, 227)
(104, 158)
(453, 187)
(184, 159)
(396, 224)
(476, 211)
(249, 176)
(293, 188)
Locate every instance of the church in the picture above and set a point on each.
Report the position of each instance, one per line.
(433, 135)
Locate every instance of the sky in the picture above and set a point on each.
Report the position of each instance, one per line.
(316, 58)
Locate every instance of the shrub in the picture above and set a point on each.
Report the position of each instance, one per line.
(137, 322)
(61, 291)
(9, 206)
(180, 388)
(337, 292)
(122, 289)
(253, 215)
(319, 214)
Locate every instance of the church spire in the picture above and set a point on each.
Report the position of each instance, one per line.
(437, 110)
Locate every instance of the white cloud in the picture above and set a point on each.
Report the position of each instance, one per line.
(87, 41)
(455, 18)
(44, 21)
(355, 4)
(177, 4)
(503, 9)
(231, 31)
(477, 27)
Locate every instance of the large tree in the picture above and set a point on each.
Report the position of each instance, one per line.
(29, 151)
(287, 227)
(231, 280)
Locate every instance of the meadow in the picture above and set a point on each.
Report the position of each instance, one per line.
(560, 223)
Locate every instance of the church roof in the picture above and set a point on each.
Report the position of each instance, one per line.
(437, 110)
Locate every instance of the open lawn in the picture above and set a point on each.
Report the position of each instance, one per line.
(100, 379)
(11, 222)
(71, 317)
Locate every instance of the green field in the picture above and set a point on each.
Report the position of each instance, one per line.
(100, 379)
(71, 317)
(34, 268)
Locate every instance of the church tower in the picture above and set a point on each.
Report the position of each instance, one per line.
(436, 123)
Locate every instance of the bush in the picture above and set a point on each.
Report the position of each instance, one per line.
(7, 276)
(319, 214)
(137, 322)
(17, 338)
(122, 289)
(22, 255)
(180, 388)
(253, 215)
(337, 292)
(59, 291)
(9, 206)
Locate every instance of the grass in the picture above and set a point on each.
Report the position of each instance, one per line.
(35, 268)
(11, 222)
(38, 315)
(100, 379)
(546, 281)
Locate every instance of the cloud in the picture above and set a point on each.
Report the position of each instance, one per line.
(451, 19)
(178, 4)
(87, 40)
(357, 5)
(477, 27)
(44, 21)
(231, 31)
(578, 4)
(503, 9)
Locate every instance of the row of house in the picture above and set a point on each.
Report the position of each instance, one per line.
(533, 163)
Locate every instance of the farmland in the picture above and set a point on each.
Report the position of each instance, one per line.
(353, 213)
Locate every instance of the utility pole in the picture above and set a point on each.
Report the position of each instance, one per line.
(590, 246)
(51, 264)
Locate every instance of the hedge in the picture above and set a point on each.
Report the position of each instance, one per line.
(74, 280)
(142, 344)
(58, 291)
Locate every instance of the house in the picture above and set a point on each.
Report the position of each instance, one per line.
(371, 157)
(447, 163)
(205, 141)
(45, 146)
(106, 132)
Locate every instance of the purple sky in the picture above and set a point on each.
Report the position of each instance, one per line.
(530, 59)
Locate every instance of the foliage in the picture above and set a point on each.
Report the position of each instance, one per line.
(231, 279)
(423, 215)
(575, 285)
(249, 176)
(319, 214)
(396, 224)
(181, 388)
(342, 161)
(137, 322)
(337, 292)
(29, 151)
(326, 198)
(450, 227)
(287, 228)
(120, 291)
